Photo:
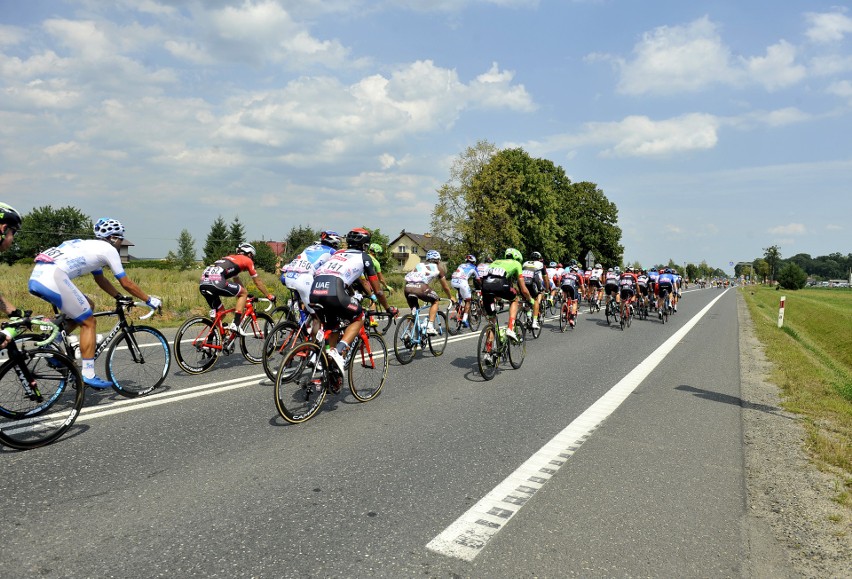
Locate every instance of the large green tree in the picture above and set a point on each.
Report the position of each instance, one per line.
(264, 258)
(590, 223)
(772, 255)
(218, 242)
(236, 232)
(299, 238)
(185, 257)
(45, 227)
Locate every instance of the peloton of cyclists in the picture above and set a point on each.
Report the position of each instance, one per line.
(298, 275)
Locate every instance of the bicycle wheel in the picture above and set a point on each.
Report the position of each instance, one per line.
(368, 367)
(454, 319)
(437, 344)
(276, 345)
(138, 360)
(535, 332)
(406, 339)
(300, 385)
(474, 318)
(281, 314)
(35, 418)
(488, 352)
(518, 348)
(251, 346)
(563, 318)
(629, 313)
(193, 341)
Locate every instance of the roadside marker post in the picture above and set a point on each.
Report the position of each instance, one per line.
(781, 312)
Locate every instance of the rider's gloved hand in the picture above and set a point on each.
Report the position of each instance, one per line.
(271, 297)
(154, 302)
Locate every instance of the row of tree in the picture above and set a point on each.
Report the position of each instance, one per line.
(496, 199)
(769, 266)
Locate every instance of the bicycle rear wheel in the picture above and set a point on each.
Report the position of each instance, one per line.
(437, 344)
(454, 325)
(193, 345)
(488, 354)
(535, 332)
(405, 339)
(563, 318)
(251, 346)
(474, 318)
(368, 367)
(278, 342)
(518, 348)
(138, 361)
(300, 385)
(30, 420)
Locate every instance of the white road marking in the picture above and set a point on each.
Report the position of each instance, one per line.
(470, 533)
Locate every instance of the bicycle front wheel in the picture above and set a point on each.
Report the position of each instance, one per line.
(368, 367)
(405, 339)
(488, 352)
(39, 414)
(251, 345)
(300, 386)
(518, 348)
(197, 345)
(437, 344)
(278, 342)
(138, 361)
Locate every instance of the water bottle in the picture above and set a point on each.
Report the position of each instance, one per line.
(74, 342)
(99, 338)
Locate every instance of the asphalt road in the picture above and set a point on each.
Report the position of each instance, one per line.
(203, 479)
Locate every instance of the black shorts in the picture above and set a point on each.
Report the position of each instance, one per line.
(332, 302)
(595, 283)
(665, 288)
(496, 286)
(570, 291)
(627, 292)
(213, 290)
(611, 287)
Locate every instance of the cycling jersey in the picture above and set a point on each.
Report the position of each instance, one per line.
(533, 272)
(461, 276)
(298, 275)
(596, 274)
(482, 269)
(500, 281)
(424, 273)
(572, 281)
(348, 265)
(332, 286)
(228, 267)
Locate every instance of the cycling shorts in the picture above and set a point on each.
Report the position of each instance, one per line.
(611, 287)
(332, 302)
(570, 291)
(463, 288)
(51, 284)
(627, 292)
(214, 288)
(496, 286)
(300, 283)
(595, 283)
(419, 291)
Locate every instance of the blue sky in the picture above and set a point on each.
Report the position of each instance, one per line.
(718, 128)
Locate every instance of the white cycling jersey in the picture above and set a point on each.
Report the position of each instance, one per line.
(78, 257)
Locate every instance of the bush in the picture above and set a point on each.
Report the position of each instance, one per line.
(792, 277)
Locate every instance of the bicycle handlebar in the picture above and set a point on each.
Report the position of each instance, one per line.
(43, 324)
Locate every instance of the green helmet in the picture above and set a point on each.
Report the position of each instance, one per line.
(513, 253)
(376, 248)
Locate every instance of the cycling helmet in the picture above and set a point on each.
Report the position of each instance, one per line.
(536, 256)
(10, 216)
(575, 268)
(512, 253)
(573, 262)
(629, 269)
(376, 248)
(598, 266)
(247, 249)
(487, 258)
(433, 255)
(668, 270)
(358, 238)
(331, 239)
(106, 227)
(470, 258)
(552, 264)
(617, 269)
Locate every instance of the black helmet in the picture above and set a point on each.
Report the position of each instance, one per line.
(536, 256)
(10, 216)
(358, 238)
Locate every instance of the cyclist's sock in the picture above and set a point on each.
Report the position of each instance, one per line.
(88, 367)
(341, 346)
(512, 324)
(238, 317)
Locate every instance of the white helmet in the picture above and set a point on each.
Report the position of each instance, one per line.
(247, 248)
(106, 227)
(433, 255)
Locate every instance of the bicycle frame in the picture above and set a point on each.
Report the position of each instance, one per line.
(120, 324)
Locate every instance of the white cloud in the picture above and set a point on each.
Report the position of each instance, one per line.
(778, 68)
(791, 229)
(11, 35)
(841, 88)
(833, 227)
(828, 27)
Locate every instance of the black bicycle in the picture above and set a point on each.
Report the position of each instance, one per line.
(137, 357)
(41, 389)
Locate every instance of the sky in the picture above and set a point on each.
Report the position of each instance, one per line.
(717, 128)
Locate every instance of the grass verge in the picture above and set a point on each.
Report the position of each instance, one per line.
(812, 364)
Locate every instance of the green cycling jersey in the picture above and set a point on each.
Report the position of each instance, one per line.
(508, 268)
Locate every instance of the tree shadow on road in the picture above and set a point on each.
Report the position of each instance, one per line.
(735, 400)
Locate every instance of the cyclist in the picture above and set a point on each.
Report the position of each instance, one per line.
(51, 280)
(222, 279)
(653, 276)
(417, 287)
(298, 275)
(482, 268)
(333, 291)
(498, 283)
(374, 250)
(573, 283)
(459, 280)
(665, 286)
(611, 285)
(550, 271)
(643, 282)
(627, 283)
(677, 292)
(10, 224)
(596, 278)
(537, 282)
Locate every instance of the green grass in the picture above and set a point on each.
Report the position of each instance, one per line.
(812, 361)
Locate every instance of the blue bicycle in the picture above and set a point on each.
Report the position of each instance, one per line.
(411, 335)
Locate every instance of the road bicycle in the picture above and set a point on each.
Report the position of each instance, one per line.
(307, 375)
(137, 356)
(455, 315)
(41, 389)
(666, 310)
(552, 304)
(495, 346)
(567, 317)
(612, 311)
(626, 313)
(200, 341)
(642, 308)
(411, 335)
(378, 318)
(525, 319)
(594, 302)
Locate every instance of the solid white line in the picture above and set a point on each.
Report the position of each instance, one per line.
(470, 533)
